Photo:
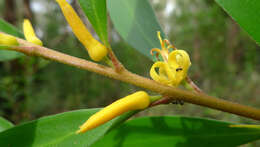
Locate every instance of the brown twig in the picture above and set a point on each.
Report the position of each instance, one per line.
(117, 64)
(164, 100)
(193, 85)
(128, 77)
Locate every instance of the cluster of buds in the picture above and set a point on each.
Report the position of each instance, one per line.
(9, 40)
(29, 33)
(96, 50)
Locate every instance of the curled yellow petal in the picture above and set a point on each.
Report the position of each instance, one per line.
(29, 33)
(165, 76)
(181, 58)
(95, 49)
(179, 61)
(135, 101)
(7, 40)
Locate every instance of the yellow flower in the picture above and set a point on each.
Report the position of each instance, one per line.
(7, 40)
(29, 33)
(95, 49)
(174, 67)
(135, 101)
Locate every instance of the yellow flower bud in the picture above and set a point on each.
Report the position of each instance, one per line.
(29, 33)
(7, 40)
(135, 101)
(95, 49)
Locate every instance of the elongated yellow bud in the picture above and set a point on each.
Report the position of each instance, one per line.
(135, 101)
(29, 33)
(7, 40)
(95, 49)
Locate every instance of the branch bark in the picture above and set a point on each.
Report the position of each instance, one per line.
(128, 77)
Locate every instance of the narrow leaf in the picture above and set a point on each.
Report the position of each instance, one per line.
(178, 131)
(9, 29)
(246, 13)
(56, 130)
(5, 124)
(96, 12)
(135, 21)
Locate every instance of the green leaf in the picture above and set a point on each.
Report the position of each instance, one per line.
(135, 21)
(9, 29)
(5, 124)
(56, 130)
(177, 131)
(9, 55)
(2, 47)
(96, 12)
(246, 13)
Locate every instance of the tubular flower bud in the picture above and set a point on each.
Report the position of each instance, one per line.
(7, 40)
(174, 67)
(135, 101)
(29, 33)
(95, 49)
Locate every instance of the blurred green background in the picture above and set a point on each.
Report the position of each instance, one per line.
(225, 62)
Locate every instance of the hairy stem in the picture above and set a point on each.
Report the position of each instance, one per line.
(128, 77)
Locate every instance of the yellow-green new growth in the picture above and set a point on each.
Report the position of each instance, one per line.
(135, 101)
(95, 49)
(29, 33)
(7, 40)
(245, 126)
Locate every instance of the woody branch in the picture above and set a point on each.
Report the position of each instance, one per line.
(128, 77)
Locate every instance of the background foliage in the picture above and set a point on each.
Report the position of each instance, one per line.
(225, 62)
